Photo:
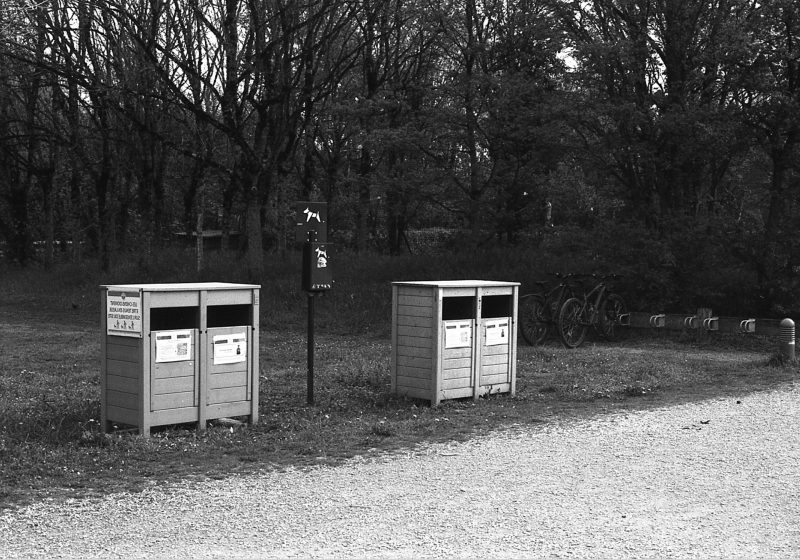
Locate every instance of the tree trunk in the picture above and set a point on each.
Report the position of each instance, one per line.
(201, 195)
(362, 211)
(255, 245)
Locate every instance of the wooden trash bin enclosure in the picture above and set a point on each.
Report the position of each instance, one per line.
(178, 353)
(454, 339)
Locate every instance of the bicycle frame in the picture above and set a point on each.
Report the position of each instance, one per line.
(592, 307)
(556, 296)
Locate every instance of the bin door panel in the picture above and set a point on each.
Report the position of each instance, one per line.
(495, 352)
(174, 374)
(457, 354)
(230, 386)
(229, 364)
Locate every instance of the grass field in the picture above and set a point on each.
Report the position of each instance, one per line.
(51, 445)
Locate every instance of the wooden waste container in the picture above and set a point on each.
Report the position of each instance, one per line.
(178, 353)
(454, 339)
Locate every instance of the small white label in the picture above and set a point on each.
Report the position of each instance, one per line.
(174, 345)
(230, 348)
(457, 334)
(496, 331)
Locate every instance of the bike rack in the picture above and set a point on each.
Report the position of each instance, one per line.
(748, 326)
(664, 321)
(708, 323)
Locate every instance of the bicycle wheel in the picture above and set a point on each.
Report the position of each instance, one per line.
(571, 325)
(608, 322)
(532, 319)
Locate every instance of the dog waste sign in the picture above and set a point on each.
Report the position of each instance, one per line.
(124, 313)
(311, 220)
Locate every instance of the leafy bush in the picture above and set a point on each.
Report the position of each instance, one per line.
(690, 267)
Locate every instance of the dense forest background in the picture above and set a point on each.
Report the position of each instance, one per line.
(654, 137)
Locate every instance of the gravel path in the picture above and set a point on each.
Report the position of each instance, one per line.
(709, 479)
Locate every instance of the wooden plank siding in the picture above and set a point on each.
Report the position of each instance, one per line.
(227, 395)
(173, 384)
(414, 382)
(413, 321)
(126, 400)
(457, 368)
(489, 380)
(171, 401)
(423, 367)
(123, 368)
(174, 415)
(415, 372)
(451, 394)
(496, 359)
(227, 383)
(139, 390)
(227, 409)
(118, 383)
(128, 353)
(123, 363)
(495, 364)
(412, 358)
(227, 386)
(415, 305)
(121, 415)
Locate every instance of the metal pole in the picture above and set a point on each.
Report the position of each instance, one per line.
(310, 377)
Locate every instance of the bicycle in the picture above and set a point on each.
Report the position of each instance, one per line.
(539, 311)
(599, 308)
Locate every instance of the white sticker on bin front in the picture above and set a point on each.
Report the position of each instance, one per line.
(496, 331)
(457, 334)
(175, 345)
(230, 348)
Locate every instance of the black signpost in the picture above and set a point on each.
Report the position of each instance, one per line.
(312, 231)
(312, 222)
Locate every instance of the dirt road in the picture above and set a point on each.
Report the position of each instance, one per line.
(717, 478)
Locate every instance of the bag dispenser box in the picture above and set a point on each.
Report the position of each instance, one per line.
(454, 339)
(178, 353)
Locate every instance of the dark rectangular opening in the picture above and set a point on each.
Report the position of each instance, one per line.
(221, 316)
(458, 308)
(174, 318)
(496, 306)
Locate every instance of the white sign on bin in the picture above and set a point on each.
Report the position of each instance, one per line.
(458, 334)
(230, 348)
(175, 345)
(124, 313)
(496, 331)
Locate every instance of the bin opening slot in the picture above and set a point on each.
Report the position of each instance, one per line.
(174, 318)
(497, 306)
(222, 316)
(458, 308)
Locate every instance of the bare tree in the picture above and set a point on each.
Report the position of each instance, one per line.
(254, 81)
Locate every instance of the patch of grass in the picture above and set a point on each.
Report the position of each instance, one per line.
(50, 438)
(51, 443)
